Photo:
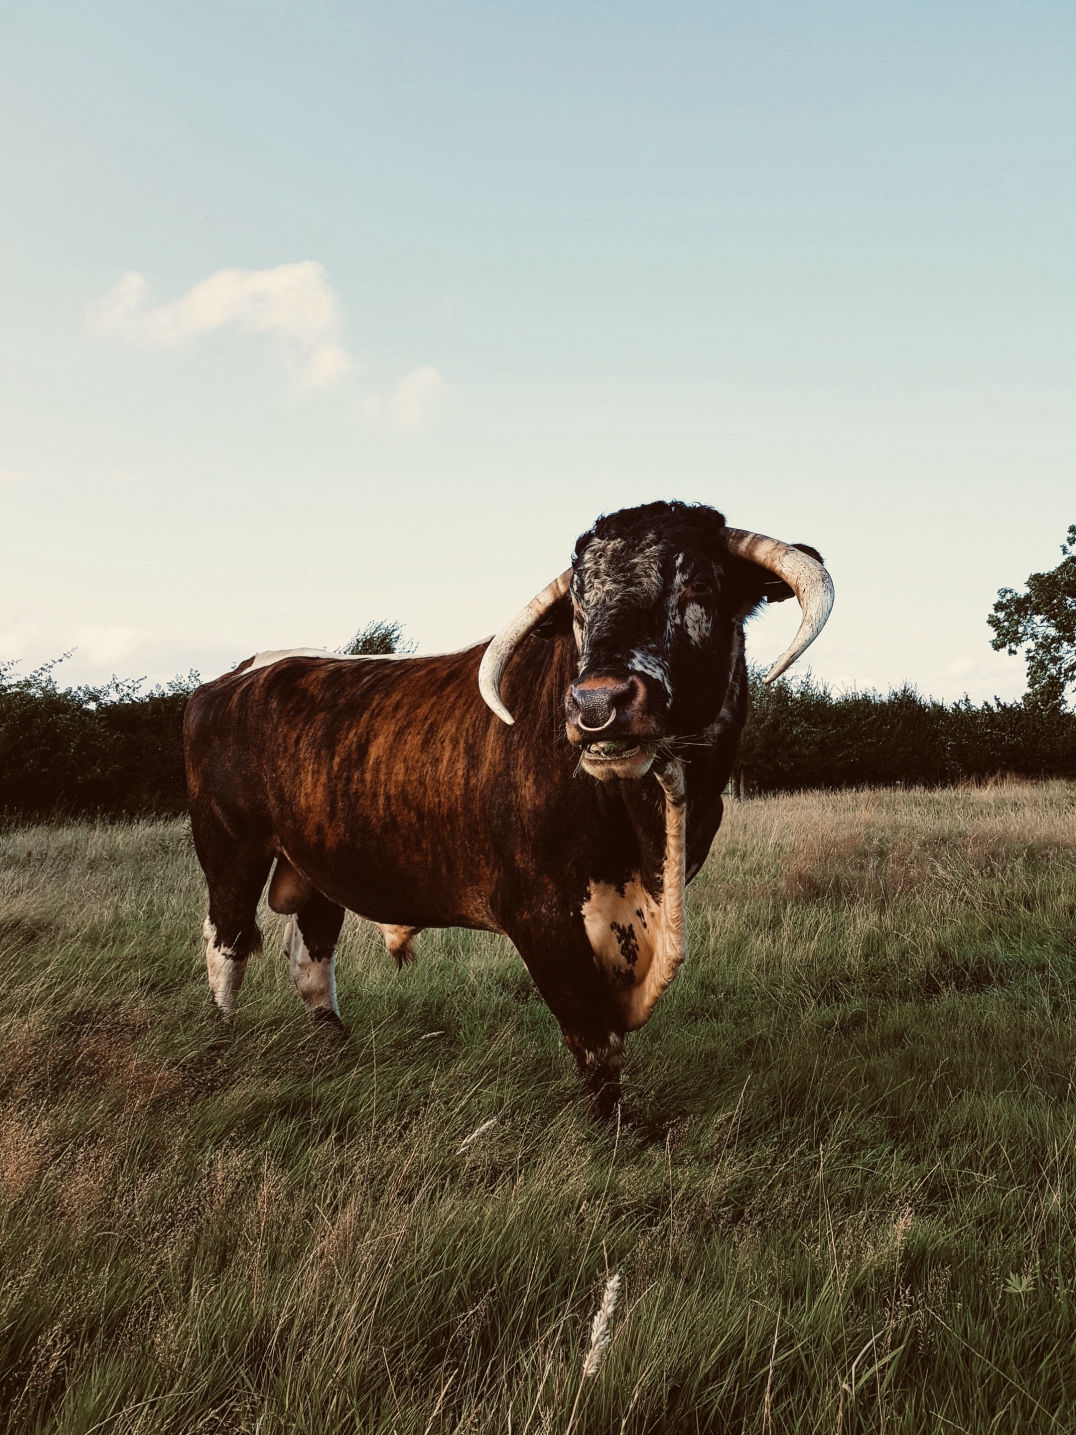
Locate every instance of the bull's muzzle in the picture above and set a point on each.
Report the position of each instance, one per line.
(594, 704)
(608, 718)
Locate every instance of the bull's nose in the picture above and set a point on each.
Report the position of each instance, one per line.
(593, 704)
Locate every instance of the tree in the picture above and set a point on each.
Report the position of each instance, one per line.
(1042, 621)
(380, 637)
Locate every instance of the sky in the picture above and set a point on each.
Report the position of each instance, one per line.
(316, 314)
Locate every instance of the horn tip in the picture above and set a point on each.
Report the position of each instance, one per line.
(498, 709)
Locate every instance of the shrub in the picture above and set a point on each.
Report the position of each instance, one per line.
(111, 749)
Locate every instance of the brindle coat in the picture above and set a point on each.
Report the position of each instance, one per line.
(388, 787)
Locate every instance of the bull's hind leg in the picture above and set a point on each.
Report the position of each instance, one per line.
(310, 942)
(231, 931)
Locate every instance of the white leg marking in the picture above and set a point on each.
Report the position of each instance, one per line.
(225, 971)
(314, 981)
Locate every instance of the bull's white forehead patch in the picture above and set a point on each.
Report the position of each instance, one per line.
(617, 572)
(615, 565)
(610, 573)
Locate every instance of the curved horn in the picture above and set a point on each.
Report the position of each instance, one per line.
(806, 577)
(504, 644)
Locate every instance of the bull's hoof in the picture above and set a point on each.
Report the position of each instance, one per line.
(327, 1024)
(603, 1104)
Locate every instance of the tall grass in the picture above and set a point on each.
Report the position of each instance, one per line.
(842, 1197)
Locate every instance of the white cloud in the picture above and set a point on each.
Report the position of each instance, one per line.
(292, 304)
(326, 364)
(417, 400)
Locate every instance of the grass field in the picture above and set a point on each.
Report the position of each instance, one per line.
(843, 1197)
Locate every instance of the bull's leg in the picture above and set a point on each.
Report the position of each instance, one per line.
(310, 941)
(230, 931)
(560, 959)
(224, 968)
(599, 1057)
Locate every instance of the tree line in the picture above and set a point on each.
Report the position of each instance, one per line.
(800, 735)
(117, 750)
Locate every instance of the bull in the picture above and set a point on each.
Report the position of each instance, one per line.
(559, 785)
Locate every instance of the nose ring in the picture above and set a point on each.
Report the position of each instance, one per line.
(586, 727)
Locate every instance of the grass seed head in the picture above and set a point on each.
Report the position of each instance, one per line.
(481, 1131)
(599, 1328)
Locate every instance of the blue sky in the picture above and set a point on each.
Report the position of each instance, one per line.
(315, 314)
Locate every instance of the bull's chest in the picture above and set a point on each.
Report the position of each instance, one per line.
(638, 939)
(626, 929)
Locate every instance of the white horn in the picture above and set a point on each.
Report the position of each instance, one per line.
(504, 644)
(806, 577)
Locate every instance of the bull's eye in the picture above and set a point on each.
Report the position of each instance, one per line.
(699, 589)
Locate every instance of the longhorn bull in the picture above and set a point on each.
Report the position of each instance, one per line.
(559, 785)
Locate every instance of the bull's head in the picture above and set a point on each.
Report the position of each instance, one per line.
(658, 595)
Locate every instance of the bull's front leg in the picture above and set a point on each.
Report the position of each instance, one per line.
(560, 959)
(599, 1058)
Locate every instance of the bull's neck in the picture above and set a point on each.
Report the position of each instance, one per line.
(705, 761)
(722, 737)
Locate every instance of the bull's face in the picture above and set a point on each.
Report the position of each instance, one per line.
(657, 602)
(657, 596)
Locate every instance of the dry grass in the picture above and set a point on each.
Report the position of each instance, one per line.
(842, 1201)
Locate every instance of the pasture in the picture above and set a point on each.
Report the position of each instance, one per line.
(842, 1198)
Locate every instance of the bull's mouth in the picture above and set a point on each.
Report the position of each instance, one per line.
(617, 757)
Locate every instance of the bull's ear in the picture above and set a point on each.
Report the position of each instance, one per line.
(557, 621)
(776, 590)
